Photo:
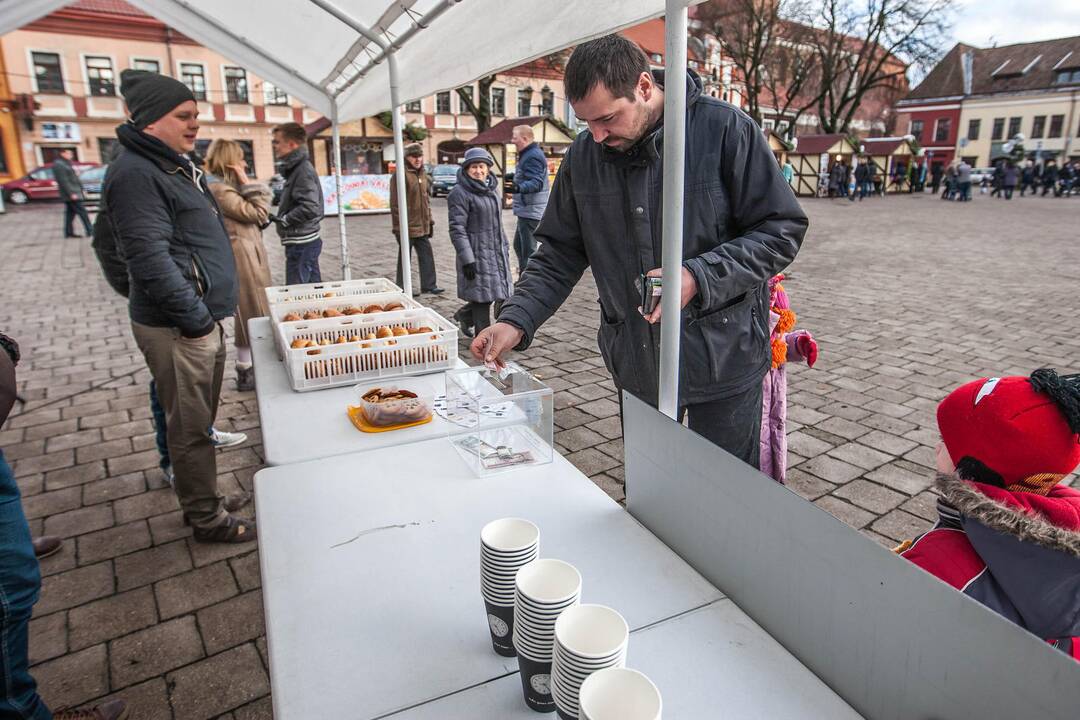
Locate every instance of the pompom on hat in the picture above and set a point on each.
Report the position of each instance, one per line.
(1023, 429)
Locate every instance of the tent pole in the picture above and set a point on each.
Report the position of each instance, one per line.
(346, 271)
(675, 21)
(399, 178)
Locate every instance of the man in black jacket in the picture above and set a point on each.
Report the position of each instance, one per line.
(742, 225)
(182, 276)
(71, 191)
(300, 211)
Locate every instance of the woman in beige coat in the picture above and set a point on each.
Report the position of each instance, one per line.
(245, 208)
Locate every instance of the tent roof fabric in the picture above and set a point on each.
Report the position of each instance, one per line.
(276, 43)
(500, 134)
(817, 144)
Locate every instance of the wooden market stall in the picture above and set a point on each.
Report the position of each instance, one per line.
(888, 153)
(496, 140)
(813, 157)
(779, 146)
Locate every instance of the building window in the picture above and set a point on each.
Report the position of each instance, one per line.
(148, 65)
(973, 129)
(99, 72)
(1056, 122)
(273, 95)
(414, 107)
(107, 149)
(999, 129)
(1014, 126)
(524, 108)
(941, 130)
(1038, 126)
(236, 90)
(194, 76)
(916, 126)
(442, 103)
(498, 101)
(47, 73)
(547, 101)
(1064, 77)
(470, 93)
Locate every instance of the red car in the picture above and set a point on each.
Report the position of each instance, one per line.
(38, 185)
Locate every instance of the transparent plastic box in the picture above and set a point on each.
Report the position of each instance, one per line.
(499, 420)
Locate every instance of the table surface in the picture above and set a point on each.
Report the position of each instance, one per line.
(297, 427)
(710, 663)
(371, 578)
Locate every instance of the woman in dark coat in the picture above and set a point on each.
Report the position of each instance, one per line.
(1009, 177)
(483, 253)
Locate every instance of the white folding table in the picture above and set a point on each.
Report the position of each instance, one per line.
(371, 578)
(297, 427)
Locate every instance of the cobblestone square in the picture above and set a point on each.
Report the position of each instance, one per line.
(907, 296)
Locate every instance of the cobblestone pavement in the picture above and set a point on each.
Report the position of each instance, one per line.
(907, 296)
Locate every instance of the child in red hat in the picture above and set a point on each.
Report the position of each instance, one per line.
(1008, 534)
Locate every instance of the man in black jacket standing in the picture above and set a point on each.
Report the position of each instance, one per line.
(71, 191)
(182, 284)
(742, 225)
(300, 211)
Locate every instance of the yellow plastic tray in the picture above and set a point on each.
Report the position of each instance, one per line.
(359, 419)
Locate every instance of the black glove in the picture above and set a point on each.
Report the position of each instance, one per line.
(514, 189)
(469, 269)
(277, 219)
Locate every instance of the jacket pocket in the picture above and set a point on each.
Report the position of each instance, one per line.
(724, 346)
(203, 283)
(611, 338)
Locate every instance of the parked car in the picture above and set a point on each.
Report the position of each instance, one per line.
(443, 179)
(37, 185)
(92, 180)
(277, 186)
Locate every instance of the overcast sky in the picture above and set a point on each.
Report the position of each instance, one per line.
(983, 22)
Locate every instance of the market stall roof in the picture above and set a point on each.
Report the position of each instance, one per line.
(302, 48)
(886, 146)
(817, 144)
(545, 132)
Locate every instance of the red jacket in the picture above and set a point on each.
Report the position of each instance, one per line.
(1018, 553)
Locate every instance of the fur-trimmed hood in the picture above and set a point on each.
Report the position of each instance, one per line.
(1052, 521)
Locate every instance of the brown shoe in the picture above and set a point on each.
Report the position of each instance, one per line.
(110, 710)
(46, 545)
(234, 529)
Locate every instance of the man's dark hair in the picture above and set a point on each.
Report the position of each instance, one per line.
(293, 132)
(613, 61)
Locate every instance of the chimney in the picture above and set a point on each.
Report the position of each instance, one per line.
(967, 63)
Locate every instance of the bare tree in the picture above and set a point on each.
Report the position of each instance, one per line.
(479, 108)
(865, 45)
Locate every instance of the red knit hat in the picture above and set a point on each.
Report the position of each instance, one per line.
(1018, 427)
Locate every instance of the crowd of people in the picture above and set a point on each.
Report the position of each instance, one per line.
(184, 246)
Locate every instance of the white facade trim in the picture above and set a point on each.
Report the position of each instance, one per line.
(928, 108)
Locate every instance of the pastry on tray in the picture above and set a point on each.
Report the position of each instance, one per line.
(391, 406)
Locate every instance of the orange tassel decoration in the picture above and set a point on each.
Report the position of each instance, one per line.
(786, 323)
(779, 352)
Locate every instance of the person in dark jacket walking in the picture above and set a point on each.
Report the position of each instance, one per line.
(474, 208)
(863, 179)
(1008, 533)
(531, 190)
(936, 172)
(1049, 178)
(71, 190)
(418, 207)
(1027, 178)
(1009, 177)
(300, 212)
(742, 225)
(182, 274)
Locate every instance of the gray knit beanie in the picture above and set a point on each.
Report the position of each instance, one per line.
(150, 96)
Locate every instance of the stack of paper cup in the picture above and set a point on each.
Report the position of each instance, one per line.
(619, 694)
(545, 588)
(506, 545)
(588, 638)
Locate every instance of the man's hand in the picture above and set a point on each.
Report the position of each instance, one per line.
(489, 346)
(74, 196)
(689, 290)
(469, 270)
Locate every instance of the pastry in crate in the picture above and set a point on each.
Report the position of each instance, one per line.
(393, 406)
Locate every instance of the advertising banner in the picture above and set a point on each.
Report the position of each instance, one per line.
(361, 193)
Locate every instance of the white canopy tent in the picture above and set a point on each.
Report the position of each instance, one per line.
(353, 58)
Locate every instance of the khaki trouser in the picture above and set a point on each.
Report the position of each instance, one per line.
(188, 374)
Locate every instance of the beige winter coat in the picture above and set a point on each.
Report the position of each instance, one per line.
(244, 210)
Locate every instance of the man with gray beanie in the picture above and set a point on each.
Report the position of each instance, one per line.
(183, 284)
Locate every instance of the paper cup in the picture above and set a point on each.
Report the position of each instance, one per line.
(501, 625)
(591, 632)
(619, 694)
(548, 581)
(536, 683)
(510, 536)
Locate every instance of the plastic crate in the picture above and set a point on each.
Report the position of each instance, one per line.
(317, 291)
(349, 357)
(342, 304)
